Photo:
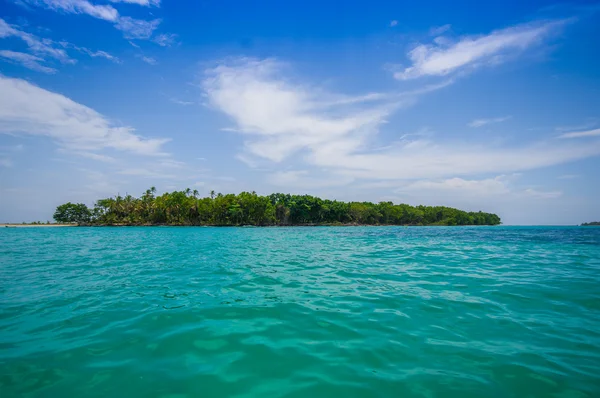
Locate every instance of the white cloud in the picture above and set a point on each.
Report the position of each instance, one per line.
(40, 47)
(102, 54)
(469, 52)
(105, 12)
(28, 109)
(301, 179)
(131, 28)
(139, 172)
(281, 119)
(96, 156)
(27, 60)
(43, 47)
(486, 187)
(181, 102)
(148, 60)
(542, 194)
(438, 30)
(568, 176)
(287, 118)
(590, 123)
(581, 134)
(393, 23)
(93, 54)
(482, 122)
(6, 162)
(165, 39)
(137, 28)
(146, 3)
(502, 186)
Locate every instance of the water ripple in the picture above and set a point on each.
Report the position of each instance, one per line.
(295, 312)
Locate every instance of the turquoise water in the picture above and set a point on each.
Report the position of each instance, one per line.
(300, 312)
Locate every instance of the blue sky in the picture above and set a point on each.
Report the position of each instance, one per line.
(492, 106)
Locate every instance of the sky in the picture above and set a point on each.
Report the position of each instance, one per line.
(491, 106)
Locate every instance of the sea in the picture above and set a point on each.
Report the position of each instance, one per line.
(178, 312)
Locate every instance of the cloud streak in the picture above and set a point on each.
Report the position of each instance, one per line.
(131, 28)
(31, 110)
(43, 48)
(444, 58)
(148, 60)
(27, 60)
(581, 134)
(40, 47)
(482, 122)
(145, 3)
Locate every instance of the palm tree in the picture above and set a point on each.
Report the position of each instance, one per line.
(195, 193)
(212, 194)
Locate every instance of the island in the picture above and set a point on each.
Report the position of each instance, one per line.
(591, 224)
(250, 209)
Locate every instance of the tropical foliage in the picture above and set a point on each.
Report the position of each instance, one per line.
(248, 208)
(591, 224)
(73, 213)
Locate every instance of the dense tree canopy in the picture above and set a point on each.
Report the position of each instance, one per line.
(591, 224)
(186, 208)
(73, 213)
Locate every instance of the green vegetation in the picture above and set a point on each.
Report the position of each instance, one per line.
(591, 224)
(74, 213)
(186, 208)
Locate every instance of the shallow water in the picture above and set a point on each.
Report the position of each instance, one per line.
(296, 312)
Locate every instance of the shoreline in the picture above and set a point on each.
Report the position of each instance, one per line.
(263, 226)
(9, 225)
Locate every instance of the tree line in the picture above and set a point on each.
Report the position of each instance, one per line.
(248, 208)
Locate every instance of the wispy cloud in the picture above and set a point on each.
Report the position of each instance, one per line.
(148, 60)
(105, 12)
(486, 187)
(40, 47)
(581, 134)
(43, 49)
(500, 194)
(589, 124)
(482, 122)
(29, 109)
(6, 162)
(165, 39)
(438, 30)
(280, 119)
(469, 52)
(146, 3)
(393, 23)
(180, 102)
(543, 194)
(131, 28)
(143, 172)
(301, 179)
(96, 156)
(27, 60)
(137, 28)
(93, 54)
(568, 176)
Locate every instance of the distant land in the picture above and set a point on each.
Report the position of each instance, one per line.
(591, 224)
(248, 208)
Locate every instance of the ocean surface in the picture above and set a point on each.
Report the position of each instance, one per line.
(300, 312)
